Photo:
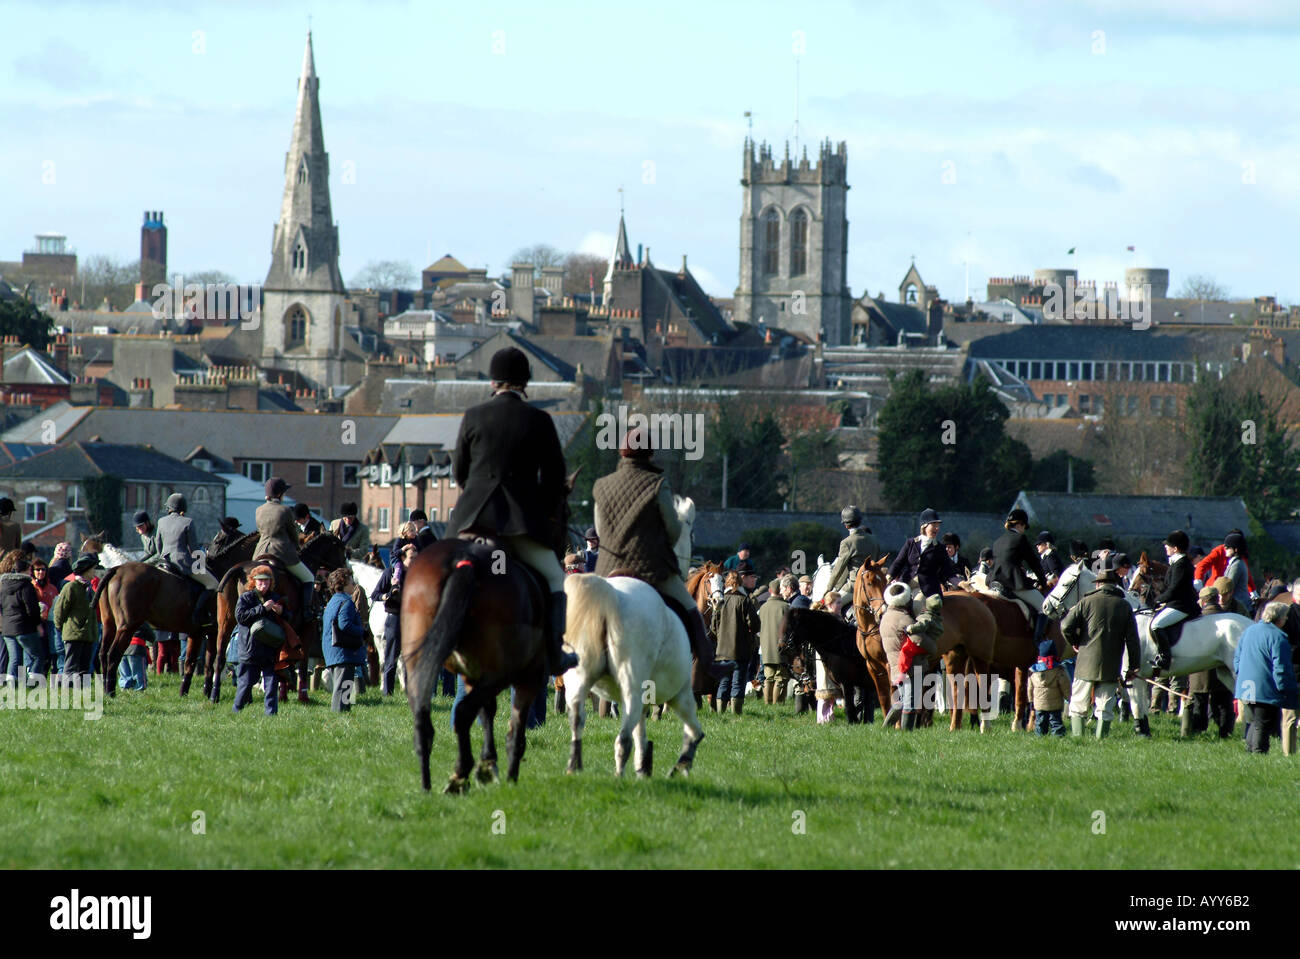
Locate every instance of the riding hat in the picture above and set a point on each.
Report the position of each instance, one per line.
(850, 516)
(986, 553)
(742, 547)
(1121, 560)
(1045, 537)
(510, 366)
(141, 518)
(84, 563)
(1078, 548)
(898, 595)
(929, 516)
(1018, 516)
(1235, 540)
(276, 487)
(1207, 593)
(6, 506)
(1178, 540)
(1106, 543)
(591, 534)
(348, 509)
(176, 503)
(301, 510)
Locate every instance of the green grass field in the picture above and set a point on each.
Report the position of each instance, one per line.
(309, 788)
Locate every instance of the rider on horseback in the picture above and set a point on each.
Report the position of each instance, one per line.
(279, 540)
(1179, 597)
(149, 540)
(1012, 554)
(855, 549)
(177, 543)
(637, 525)
(923, 559)
(510, 467)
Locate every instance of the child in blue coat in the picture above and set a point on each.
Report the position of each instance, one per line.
(342, 640)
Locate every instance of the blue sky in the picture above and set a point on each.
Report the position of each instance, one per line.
(477, 128)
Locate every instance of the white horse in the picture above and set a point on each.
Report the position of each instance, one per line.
(821, 579)
(631, 649)
(1207, 642)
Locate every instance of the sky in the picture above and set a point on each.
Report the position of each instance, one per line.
(984, 138)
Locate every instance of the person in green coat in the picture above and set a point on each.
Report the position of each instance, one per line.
(857, 547)
(1101, 628)
(75, 620)
(735, 624)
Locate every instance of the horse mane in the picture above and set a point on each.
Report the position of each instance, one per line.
(838, 636)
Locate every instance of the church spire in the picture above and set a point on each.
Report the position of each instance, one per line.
(305, 245)
(620, 259)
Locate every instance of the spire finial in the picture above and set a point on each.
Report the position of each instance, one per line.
(620, 201)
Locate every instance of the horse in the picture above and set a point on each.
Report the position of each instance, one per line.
(469, 604)
(834, 642)
(685, 508)
(131, 594)
(979, 633)
(632, 649)
(324, 552)
(704, 589)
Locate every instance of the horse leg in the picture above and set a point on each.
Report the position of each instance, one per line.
(577, 722)
(487, 766)
(1020, 715)
(517, 735)
(684, 706)
(462, 719)
(188, 667)
(627, 722)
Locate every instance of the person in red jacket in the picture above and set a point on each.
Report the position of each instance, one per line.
(1215, 565)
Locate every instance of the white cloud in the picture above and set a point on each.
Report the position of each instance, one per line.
(601, 244)
(709, 283)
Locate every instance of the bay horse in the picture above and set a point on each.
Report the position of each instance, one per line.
(701, 587)
(131, 594)
(833, 639)
(470, 604)
(324, 552)
(977, 636)
(632, 649)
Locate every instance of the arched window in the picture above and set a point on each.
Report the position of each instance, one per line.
(302, 170)
(295, 326)
(300, 258)
(911, 293)
(798, 243)
(201, 495)
(771, 242)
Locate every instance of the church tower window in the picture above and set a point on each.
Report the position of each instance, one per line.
(771, 242)
(300, 258)
(302, 170)
(798, 243)
(295, 327)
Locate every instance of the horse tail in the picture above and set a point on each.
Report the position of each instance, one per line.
(593, 609)
(103, 586)
(424, 658)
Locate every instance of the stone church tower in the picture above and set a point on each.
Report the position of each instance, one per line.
(303, 297)
(794, 238)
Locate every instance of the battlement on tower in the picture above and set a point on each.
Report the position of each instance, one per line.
(830, 169)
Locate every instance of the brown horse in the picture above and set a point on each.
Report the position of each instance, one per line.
(133, 594)
(323, 552)
(980, 634)
(698, 584)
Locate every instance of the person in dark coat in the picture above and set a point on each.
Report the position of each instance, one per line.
(1012, 555)
(277, 536)
(736, 624)
(424, 535)
(591, 555)
(257, 605)
(952, 546)
(923, 559)
(61, 564)
(350, 531)
(177, 543)
(1178, 600)
(1101, 628)
(856, 548)
(803, 599)
(389, 592)
(149, 539)
(1049, 557)
(1266, 682)
(20, 622)
(510, 467)
(308, 525)
(75, 621)
(11, 534)
(636, 519)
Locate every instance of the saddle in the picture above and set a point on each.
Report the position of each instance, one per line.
(980, 584)
(194, 587)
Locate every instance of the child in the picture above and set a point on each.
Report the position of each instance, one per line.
(256, 617)
(133, 671)
(1050, 688)
(75, 621)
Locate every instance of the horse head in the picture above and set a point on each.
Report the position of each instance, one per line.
(324, 551)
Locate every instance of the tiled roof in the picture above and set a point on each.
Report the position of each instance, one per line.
(1205, 519)
(136, 463)
(1083, 343)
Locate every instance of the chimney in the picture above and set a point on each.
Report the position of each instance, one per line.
(83, 392)
(140, 395)
(553, 282)
(521, 291)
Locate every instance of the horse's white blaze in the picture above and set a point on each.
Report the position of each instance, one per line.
(625, 637)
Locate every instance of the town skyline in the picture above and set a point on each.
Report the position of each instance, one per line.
(927, 177)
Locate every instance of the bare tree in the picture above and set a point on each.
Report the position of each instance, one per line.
(209, 276)
(539, 255)
(584, 272)
(106, 278)
(385, 275)
(1199, 286)
(1138, 450)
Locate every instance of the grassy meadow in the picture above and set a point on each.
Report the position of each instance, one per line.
(309, 788)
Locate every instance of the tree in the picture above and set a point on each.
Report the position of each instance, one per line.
(104, 500)
(208, 276)
(22, 319)
(1198, 286)
(584, 272)
(1051, 474)
(104, 277)
(1138, 453)
(539, 255)
(594, 462)
(385, 275)
(1236, 446)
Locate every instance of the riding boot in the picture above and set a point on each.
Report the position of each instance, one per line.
(304, 608)
(1103, 728)
(558, 662)
(202, 614)
(1142, 727)
(1040, 628)
(737, 705)
(1076, 725)
(1185, 724)
(1161, 662)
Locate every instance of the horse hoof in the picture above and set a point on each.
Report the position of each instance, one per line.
(456, 786)
(487, 773)
(681, 769)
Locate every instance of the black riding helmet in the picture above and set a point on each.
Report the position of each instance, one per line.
(510, 366)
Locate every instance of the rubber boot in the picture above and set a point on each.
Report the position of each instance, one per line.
(737, 705)
(769, 692)
(1142, 727)
(558, 662)
(1185, 724)
(723, 704)
(1076, 725)
(1103, 729)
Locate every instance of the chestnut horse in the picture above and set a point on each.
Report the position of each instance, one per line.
(700, 586)
(980, 634)
(323, 552)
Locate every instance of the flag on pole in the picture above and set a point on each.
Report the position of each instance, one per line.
(1131, 249)
(1070, 252)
